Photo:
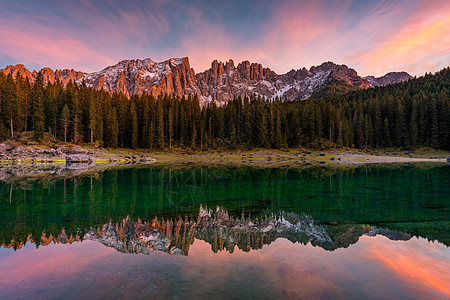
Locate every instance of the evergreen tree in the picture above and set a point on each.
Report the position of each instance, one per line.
(404, 115)
(10, 107)
(387, 135)
(434, 138)
(65, 118)
(38, 109)
(111, 128)
(134, 126)
(413, 130)
(170, 125)
(160, 124)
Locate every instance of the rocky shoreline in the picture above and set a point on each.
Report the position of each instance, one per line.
(18, 160)
(63, 154)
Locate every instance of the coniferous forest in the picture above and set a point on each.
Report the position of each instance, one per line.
(406, 115)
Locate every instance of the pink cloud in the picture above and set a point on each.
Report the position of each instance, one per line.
(413, 36)
(417, 43)
(93, 38)
(23, 265)
(121, 20)
(293, 37)
(209, 42)
(420, 269)
(302, 33)
(52, 48)
(374, 38)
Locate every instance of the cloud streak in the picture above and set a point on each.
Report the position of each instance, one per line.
(56, 50)
(374, 37)
(420, 43)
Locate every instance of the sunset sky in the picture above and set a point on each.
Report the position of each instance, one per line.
(373, 37)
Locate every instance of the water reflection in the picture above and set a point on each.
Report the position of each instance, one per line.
(414, 269)
(408, 199)
(227, 233)
(220, 230)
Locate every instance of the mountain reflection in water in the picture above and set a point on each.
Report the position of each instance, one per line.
(326, 207)
(220, 230)
(226, 233)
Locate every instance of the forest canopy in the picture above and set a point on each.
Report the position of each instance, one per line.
(405, 115)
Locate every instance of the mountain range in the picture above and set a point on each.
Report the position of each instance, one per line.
(220, 83)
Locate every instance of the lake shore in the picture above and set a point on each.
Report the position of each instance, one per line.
(18, 161)
(61, 154)
(298, 157)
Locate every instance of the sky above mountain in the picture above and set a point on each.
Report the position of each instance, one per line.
(373, 37)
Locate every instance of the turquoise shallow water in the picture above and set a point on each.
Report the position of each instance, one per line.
(202, 232)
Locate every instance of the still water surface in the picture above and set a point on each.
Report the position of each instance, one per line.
(234, 233)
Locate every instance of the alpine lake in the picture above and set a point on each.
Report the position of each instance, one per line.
(217, 232)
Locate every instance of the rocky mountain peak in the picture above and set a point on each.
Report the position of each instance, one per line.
(136, 77)
(325, 67)
(48, 75)
(220, 83)
(18, 70)
(230, 65)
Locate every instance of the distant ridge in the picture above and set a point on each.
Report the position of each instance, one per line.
(389, 78)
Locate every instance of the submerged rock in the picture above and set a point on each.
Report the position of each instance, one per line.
(51, 151)
(17, 150)
(72, 150)
(79, 158)
(5, 147)
(147, 159)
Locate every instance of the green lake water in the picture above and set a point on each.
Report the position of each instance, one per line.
(228, 233)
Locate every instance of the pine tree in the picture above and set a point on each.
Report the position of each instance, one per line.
(65, 117)
(377, 123)
(422, 119)
(444, 119)
(134, 126)
(111, 128)
(91, 118)
(358, 127)
(399, 137)
(147, 134)
(406, 115)
(387, 135)
(10, 107)
(170, 125)
(160, 124)
(413, 130)
(434, 137)
(339, 141)
(38, 109)
(277, 138)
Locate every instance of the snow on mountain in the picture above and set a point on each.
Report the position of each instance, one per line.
(223, 82)
(131, 77)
